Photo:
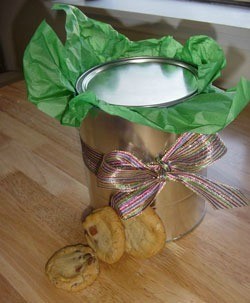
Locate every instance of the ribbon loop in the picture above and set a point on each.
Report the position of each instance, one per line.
(193, 152)
(123, 171)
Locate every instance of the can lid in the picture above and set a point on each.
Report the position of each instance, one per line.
(141, 81)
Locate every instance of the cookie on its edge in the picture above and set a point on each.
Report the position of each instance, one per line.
(105, 234)
(73, 268)
(145, 234)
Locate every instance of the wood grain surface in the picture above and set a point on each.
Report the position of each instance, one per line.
(43, 196)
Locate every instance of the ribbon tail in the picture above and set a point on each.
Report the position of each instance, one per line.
(132, 204)
(219, 195)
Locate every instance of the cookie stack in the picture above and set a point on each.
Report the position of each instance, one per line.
(75, 267)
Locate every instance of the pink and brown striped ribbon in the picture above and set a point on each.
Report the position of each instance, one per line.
(138, 183)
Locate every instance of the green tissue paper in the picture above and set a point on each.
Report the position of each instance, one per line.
(51, 70)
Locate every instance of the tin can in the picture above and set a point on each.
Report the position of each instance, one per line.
(180, 209)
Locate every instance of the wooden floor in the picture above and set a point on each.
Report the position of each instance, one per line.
(43, 196)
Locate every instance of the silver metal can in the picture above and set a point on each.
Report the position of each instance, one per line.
(180, 209)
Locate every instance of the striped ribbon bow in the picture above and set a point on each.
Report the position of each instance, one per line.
(138, 183)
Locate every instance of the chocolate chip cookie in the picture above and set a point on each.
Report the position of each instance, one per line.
(105, 234)
(145, 234)
(73, 268)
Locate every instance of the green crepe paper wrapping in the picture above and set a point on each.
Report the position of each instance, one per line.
(51, 70)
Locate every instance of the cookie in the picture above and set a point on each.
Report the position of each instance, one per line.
(145, 234)
(105, 234)
(73, 268)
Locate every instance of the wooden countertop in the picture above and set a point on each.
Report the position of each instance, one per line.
(42, 198)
